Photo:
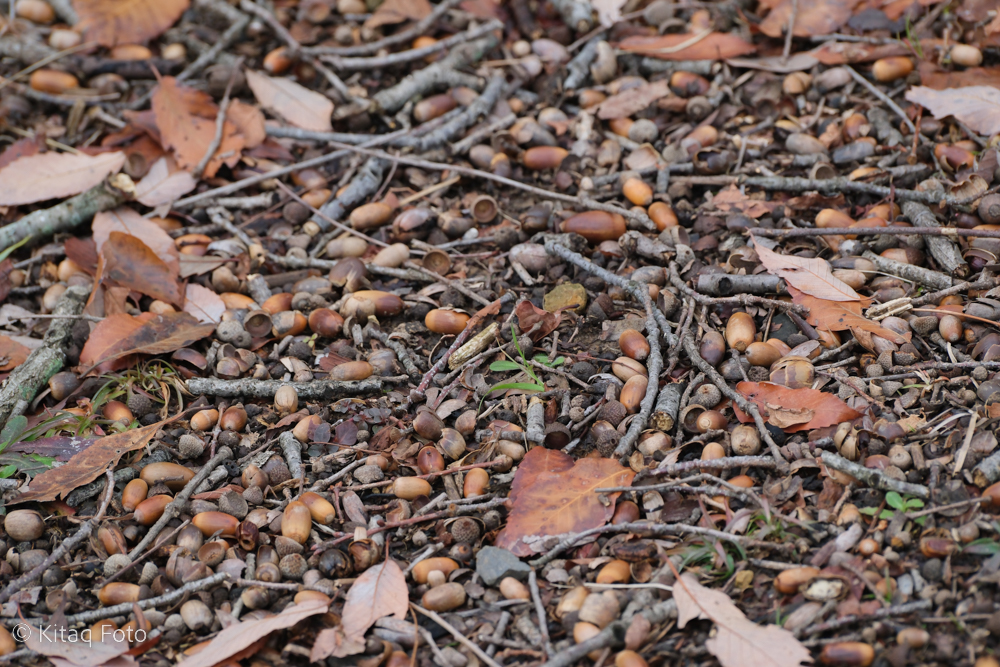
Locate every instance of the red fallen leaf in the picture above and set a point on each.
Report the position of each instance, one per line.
(811, 275)
(89, 464)
(397, 11)
(35, 178)
(20, 148)
(819, 17)
(841, 316)
(12, 354)
(83, 252)
(827, 408)
(121, 335)
(553, 495)
(131, 263)
(937, 78)
(839, 53)
(714, 46)
(59, 447)
(729, 199)
(528, 315)
(632, 100)
(6, 267)
(127, 221)
(977, 106)
(113, 22)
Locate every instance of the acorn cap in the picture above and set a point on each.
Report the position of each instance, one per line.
(613, 412)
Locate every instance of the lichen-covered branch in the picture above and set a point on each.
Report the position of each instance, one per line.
(250, 388)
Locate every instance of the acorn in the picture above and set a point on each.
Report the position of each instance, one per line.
(371, 215)
(52, 81)
(484, 209)
(134, 493)
(277, 61)
(173, 475)
(745, 440)
(796, 83)
(410, 488)
(118, 592)
(386, 304)
(964, 55)
(151, 509)
(688, 84)
(234, 419)
(614, 572)
(626, 511)
(713, 347)
(351, 371)
(63, 384)
(596, 226)
(255, 597)
(847, 654)
(286, 399)
(762, 354)
(662, 215)
(247, 535)
(431, 107)
(915, 638)
(892, 68)
(451, 444)
(443, 321)
(512, 589)
(442, 564)
(788, 582)
(117, 411)
(346, 246)
(326, 322)
(950, 328)
(427, 424)
(740, 330)
(36, 11)
(633, 345)
(477, 481)
(296, 521)
(288, 323)
(444, 597)
(936, 547)
(868, 547)
(319, 507)
(793, 372)
(629, 658)
(204, 420)
(637, 191)
(310, 596)
(24, 525)
(625, 367)
(210, 523)
(253, 476)
(277, 303)
(429, 460)
(258, 323)
(212, 553)
(633, 392)
(540, 158)
(953, 157)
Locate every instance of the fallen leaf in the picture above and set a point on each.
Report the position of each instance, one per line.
(811, 275)
(12, 354)
(818, 17)
(44, 176)
(827, 409)
(738, 641)
(120, 335)
(380, 591)
(239, 636)
(249, 121)
(841, 316)
(113, 22)
(714, 46)
(163, 185)
(797, 62)
(785, 417)
(296, 104)
(840, 53)
(193, 265)
(976, 106)
(18, 149)
(186, 120)
(6, 268)
(130, 263)
(937, 78)
(59, 447)
(203, 303)
(64, 653)
(994, 26)
(553, 495)
(83, 252)
(633, 100)
(127, 221)
(609, 12)
(396, 11)
(731, 199)
(528, 315)
(89, 464)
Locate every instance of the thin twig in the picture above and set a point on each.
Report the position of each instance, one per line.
(220, 125)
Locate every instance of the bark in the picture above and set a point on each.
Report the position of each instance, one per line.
(724, 284)
(988, 470)
(942, 249)
(535, 430)
(249, 388)
(575, 13)
(667, 406)
(17, 393)
(884, 130)
(62, 217)
(579, 67)
(482, 105)
(292, 449)
(367, 181)
(876, 479)
(934, 279)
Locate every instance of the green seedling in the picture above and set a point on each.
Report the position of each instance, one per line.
(522, 366)
(898, 503)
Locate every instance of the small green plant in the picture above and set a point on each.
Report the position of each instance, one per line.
(912, 41)
(522, 366)
(720, 557)
(899, 504)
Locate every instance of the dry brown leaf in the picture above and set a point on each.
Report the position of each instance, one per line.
(811, 275)
(164, 183)
(113, 22)
(839, 53)
(682, 46)
(239, 636)
(130, 263)
(203, 303)
(827, 409)
(841, 316)
(738, 641)
(397, 11)
(731, 199)
(186, 119)
(994, 26)
(976, 106)
(786, 417)
(553, 495)
(43, 176)
(633, 100)
(89, 464)
(797, 62)
(380, 591)
(127, 221)
(12, 354)
(937, 78)
(108, 651)
(296, 104)
(249, 121)
(18, 149)
(528, 314)
(818, 17)
(121, 335)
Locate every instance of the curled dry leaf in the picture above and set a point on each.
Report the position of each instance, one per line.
(380, 591)
(89, 464)
(43, 176)
(164, 183)
(249, 120)
(12, 354)
(240, 636)
(553, 495)
(127, 221)
(203, 303)
(818, 17)
(731, 199)
(112, 22)
(296, 104)
(120, 335)
(738, 641)
(130, 263)
(61, 653)
(811, 275)
(827, 409)
(687, 46)
(391, 12)
(528, 315)
(841, 316)
(632, 100)
(976, 106)
(18, 149)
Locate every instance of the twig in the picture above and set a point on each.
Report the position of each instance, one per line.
(726, 463)
(401, 37)
(480, 653)
(791, 30)
(378, 62)
(250, 388)
(82, 533)
(543, 623)
(882, 96)
(126, 608)
(220, 125)
(395, 346)
(895, 610)
(874, 478)
(454, 284)
(178, 504)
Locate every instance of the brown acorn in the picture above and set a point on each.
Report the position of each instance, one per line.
(151, 509)
(117, 411)
(422, 569)
(762, 354)
(296, 521)
(24, 525)
(409, 488)
(118, 592)
(740, 330)
(319, 507)
(637, 191)
(429, 460)
(633, 344)
(286, 399)
(204, 420)
(540, 158)
(662, 215)
(277, 303)
(596, 226)
(133, 494)
(847, 654)
(234, 419)
(210, 523)
(633, 392)
(444, 321)
(174, 475)
(745, 440)
(427, 424)
(351, 371)
(52, 81)
(444, 597)
(371, 215)
(892, 68)
(625, 367)
(788, 582)
(713, 347)
(793, 372)
(36, 11)
(476, 482)
(431, 107)
(277, 61)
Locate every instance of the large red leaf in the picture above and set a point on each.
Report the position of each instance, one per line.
(121, 335)
(826, 408)
(841, 316)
